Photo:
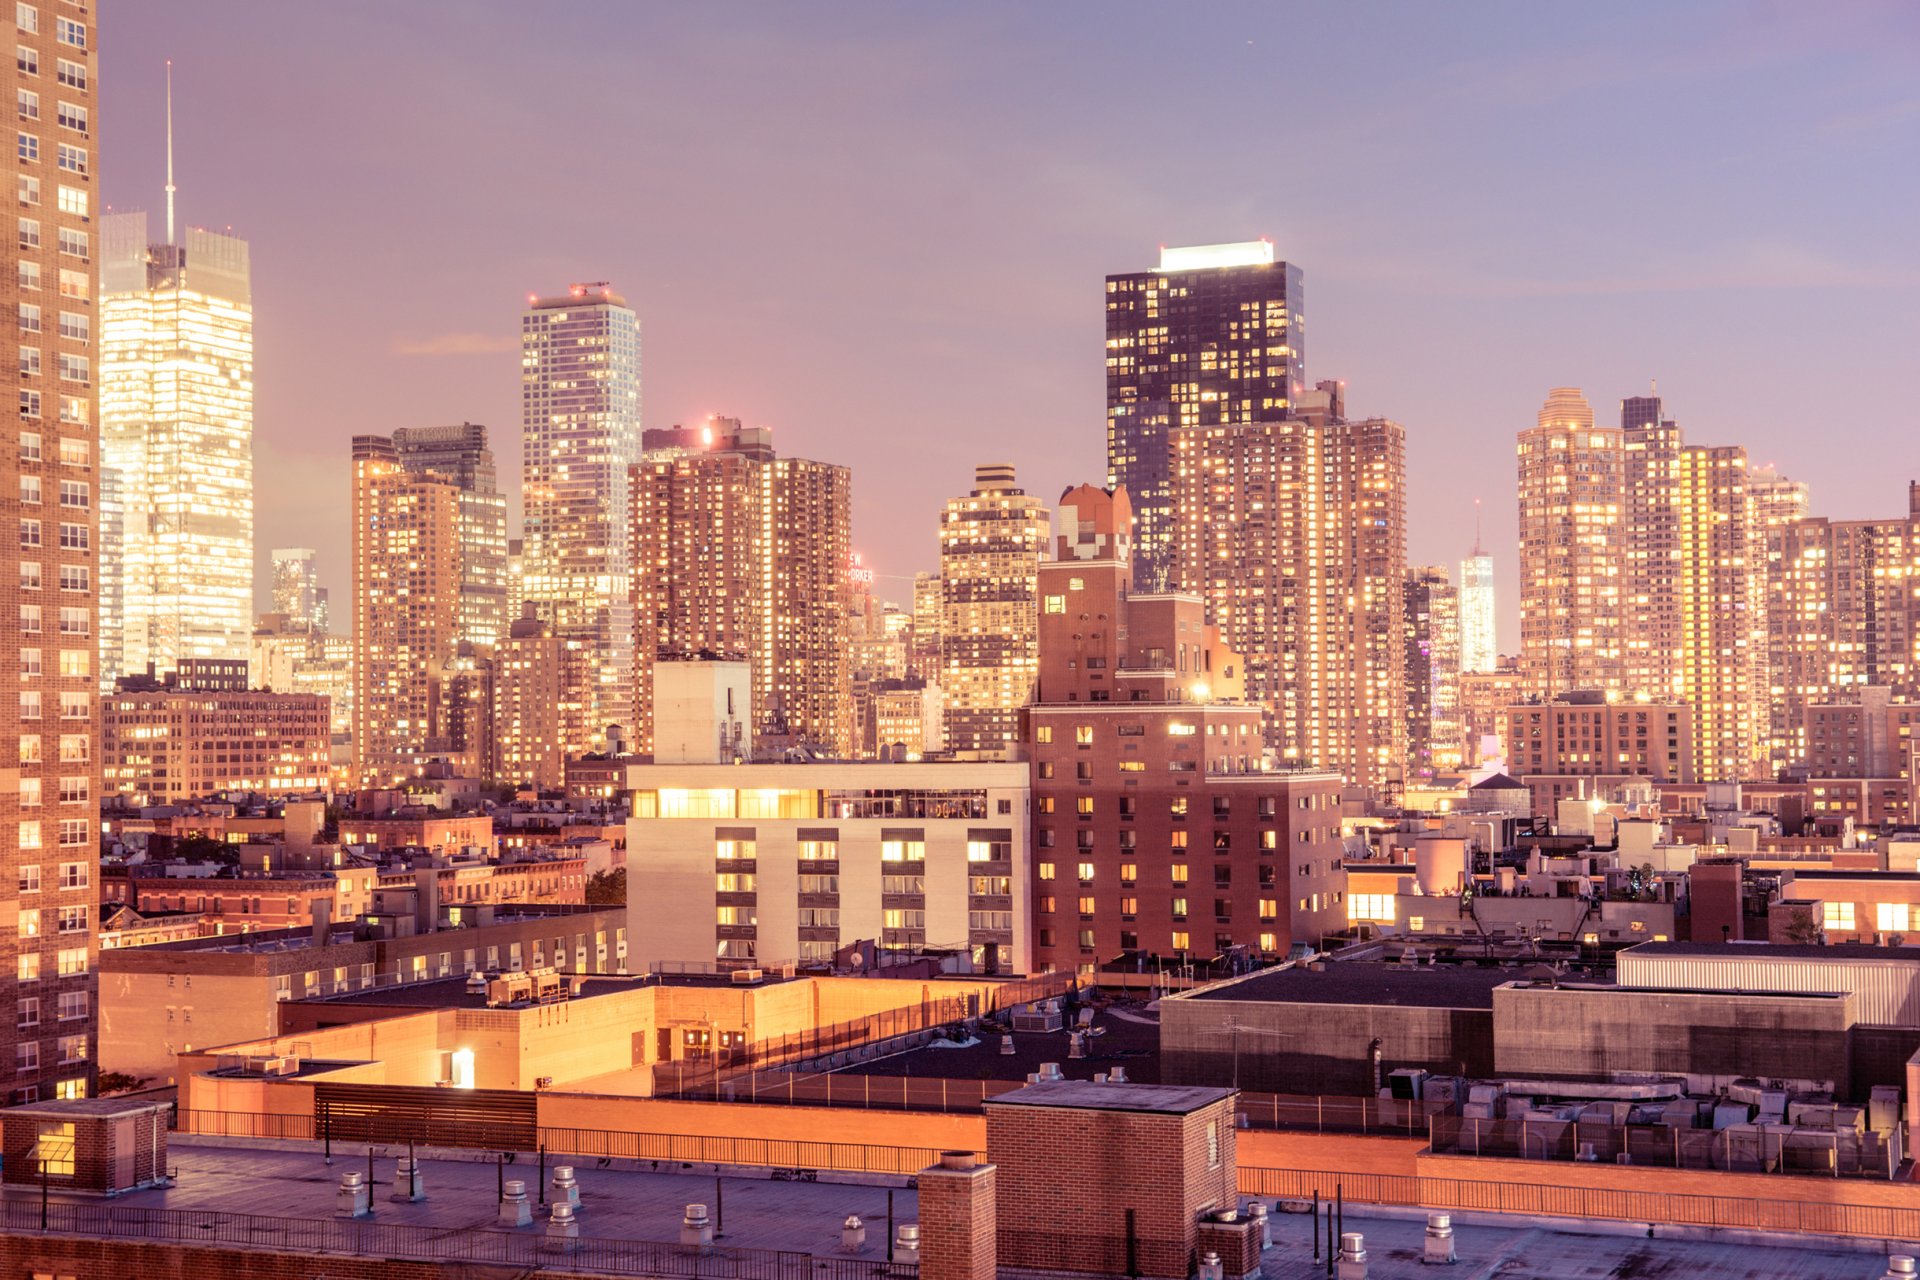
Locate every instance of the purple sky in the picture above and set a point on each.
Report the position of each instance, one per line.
(882, 229)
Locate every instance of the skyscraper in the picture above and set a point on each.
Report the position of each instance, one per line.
(296, 586)
(461, 455)
(406, 610)
(1571, 494)
(742, 554)
(580, 407)
(1779, 504)
(1212, 337)
(1479, 644)
(1435, 735)
(176, 429)
(49, 810)
(991, 544)
(1294, 533)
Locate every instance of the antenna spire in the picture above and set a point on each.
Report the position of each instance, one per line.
(169, 150)
(1476, 528)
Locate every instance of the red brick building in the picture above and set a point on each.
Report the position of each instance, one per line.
(1160, 838)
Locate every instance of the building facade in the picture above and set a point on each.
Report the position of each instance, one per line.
(1586, 735)
(1161, 839)
(1571, 491)
(461, 455)
(991, 543)
(296, 588)
(1479, 616)
(1294, 533)
(1432, 654)
(539, 712)
(167, 745)
(406, 609)
(176, 425)
(743, 554)
(580, 410)
(49, 810)
(1214, 336)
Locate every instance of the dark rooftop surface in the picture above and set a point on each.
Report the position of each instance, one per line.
(1126, 1037)
(1777, 951)
(1823, 874)
(452, 993)
(1164, 1099)
(1372, 982)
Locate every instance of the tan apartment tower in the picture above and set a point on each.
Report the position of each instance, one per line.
(49, 771)
(1571, 497)
(991, 543)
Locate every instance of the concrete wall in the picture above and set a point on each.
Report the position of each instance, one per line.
(1316, 1048)
(1575, 1032)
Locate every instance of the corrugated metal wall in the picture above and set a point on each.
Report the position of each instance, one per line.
(1886, 992)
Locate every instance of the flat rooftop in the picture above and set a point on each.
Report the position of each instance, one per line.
(1371, 982)
(452, 993)
(1128, 1037)
(1163, 1099)
(1776, 951)
(250, 1196)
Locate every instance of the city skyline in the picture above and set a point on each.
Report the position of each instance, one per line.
(1627, 292)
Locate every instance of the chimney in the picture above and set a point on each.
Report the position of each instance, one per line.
(426, 898)
(959, 1217)
(322, 921)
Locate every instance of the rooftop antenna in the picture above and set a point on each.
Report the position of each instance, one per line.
(1476, 528)
(169, 150)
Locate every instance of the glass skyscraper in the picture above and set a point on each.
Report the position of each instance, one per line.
(580, 407)
(176, 429)
(1479, 650)
(1213, 337)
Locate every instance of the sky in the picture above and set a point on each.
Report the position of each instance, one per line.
(883, 229)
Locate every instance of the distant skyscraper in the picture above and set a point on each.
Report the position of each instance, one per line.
(742, 554)
(1571, 494)
(1779, 505)
(1435, 736)
(580, 405)
(461, 454)
(1479, 644)
(1294, 533)
(991, 544)
(176, 431)
(1213, 337)
(406, 610)
(49, 809)
(296, 585)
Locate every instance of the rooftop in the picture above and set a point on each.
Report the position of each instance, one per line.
(1166, 1099)
(1776, 951)
(1126, 1038)
(1371, 982)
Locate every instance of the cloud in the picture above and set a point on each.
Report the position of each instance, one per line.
(458, 344)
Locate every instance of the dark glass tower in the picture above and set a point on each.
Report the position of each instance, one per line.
(1214, 335)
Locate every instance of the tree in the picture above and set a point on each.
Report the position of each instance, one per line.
(1803, 929)
(607, 888)
(119, 1082)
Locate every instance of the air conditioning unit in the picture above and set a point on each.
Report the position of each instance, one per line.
(743, 977)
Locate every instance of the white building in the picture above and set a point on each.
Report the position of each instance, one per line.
(756, 865)
(1478, 647)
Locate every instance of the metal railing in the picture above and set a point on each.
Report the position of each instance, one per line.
(398, 1240)
(659, 1148)
(1747, 1213)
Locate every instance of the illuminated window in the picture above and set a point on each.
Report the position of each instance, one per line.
(1370, 906)
(1083, 735)
(1893, 917)
(1838, 915)
(1056, 604)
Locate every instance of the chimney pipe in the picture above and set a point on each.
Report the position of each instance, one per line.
(322, 921)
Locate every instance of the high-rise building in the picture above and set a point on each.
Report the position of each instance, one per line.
(1214, 336)
(296, 587)
(1779, 504)
(538, 716)
(1294, 532)
(461, 454)
(1720, 597)
(1571, 496)
(1432, 646)
(740, 553)
(176, 432)
(923, 642)
(991, 544)
(580, 406)
(49, 811)
(1161, 839)
(1479, 642)
(1648, 550)
(406, 609)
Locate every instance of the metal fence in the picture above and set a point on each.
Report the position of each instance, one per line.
(660, 1148)
(1745, 1213)
(1757, 1149)
(397, 1240)
(874, 1035)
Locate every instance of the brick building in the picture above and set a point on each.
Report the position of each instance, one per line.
(166, 745)
(1160, 836)
(1588, 735)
